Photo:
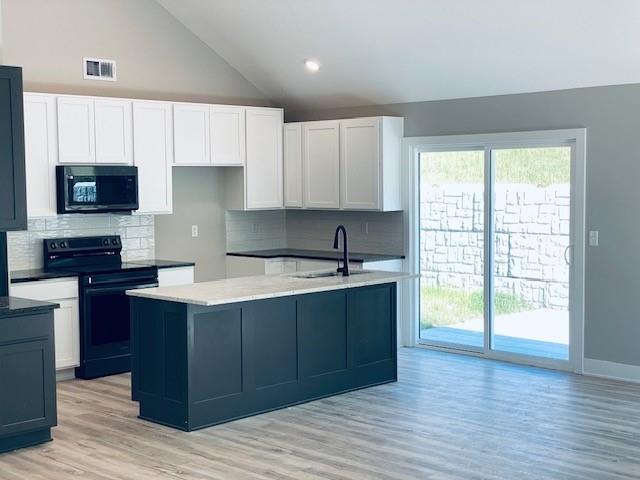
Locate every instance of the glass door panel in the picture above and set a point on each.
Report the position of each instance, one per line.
(452, 218)
(531, 234)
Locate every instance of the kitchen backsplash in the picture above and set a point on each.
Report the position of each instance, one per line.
(136, 231)
(368, 232)
(258, 230)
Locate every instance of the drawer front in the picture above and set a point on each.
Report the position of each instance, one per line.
(45, 290)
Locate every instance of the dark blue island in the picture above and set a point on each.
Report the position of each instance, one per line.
(212, 352)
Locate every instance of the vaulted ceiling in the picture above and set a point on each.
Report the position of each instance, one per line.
(389, 51)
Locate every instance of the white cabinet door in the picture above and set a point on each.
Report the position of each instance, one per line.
(293, 165)
(170, 277)
(191, 134)
(227, 135)
(76, 132)
(360, 164)
(41, 154)
(153, 155)
(114, 131)
(263, 171)
(67, 331)
(321, 164)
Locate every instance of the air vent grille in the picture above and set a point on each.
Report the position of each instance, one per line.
(99, 69)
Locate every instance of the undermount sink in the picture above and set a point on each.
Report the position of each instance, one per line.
(325, 274)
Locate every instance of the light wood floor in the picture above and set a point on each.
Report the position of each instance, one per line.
(449, 417)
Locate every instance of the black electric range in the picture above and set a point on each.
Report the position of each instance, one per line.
(105, 324)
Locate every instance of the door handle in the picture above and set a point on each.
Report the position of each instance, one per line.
(568, 258)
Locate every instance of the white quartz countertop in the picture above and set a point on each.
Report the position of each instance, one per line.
(232, 290)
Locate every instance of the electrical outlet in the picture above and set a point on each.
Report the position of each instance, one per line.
(255, 228)
(594, 241)
(194, 230)
(364, 228)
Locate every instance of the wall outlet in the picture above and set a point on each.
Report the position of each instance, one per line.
(255, 228)
(364, 228)
(194, 231)
(594, 241)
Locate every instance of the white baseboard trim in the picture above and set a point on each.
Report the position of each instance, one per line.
(612, 370)
(67, 374)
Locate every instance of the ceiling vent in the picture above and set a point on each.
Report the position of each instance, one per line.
(99, 69)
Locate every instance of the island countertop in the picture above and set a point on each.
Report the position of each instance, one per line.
(243, 289)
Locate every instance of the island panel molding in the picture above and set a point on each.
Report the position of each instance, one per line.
(196, 366)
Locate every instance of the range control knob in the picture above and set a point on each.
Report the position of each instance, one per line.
(114, 241)
(52, 245)
(105, 241)
(63, 244)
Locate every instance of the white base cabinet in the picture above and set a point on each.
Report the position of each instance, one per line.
(63, 291)
(250, 266)
(171, 277)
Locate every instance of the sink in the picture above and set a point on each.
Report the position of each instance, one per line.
(325, 274)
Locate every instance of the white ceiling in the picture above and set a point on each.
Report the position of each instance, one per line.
(388, 51)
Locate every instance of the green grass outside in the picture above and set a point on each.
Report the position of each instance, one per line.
(446, 306)
(534, 166)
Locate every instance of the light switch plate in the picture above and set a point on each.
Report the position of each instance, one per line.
(594, 241)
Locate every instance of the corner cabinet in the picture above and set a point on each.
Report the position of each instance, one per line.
(153, 155)
(263, 181)
(352, 164)
(293, 192)
(13, 198)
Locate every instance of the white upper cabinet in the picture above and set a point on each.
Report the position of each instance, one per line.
(321, 164)
(227, 135)
(153, 155)
(360, 164)
(41, 154)
(263, 171)
(293, 165)
(76, 131)
(191, 134)
(114, 135)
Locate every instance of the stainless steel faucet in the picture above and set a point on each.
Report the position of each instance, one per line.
(345, 254)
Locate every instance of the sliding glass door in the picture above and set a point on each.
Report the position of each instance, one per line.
(494, 249)
(452, 190)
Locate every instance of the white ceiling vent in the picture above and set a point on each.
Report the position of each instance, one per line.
(99, 69)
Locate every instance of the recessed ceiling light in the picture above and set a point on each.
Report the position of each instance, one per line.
(312, 65)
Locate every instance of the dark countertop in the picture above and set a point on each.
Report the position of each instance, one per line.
(13, 306)
(315, 255)
(35, 274)
(164, 263)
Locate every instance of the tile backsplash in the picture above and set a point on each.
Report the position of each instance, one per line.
(136, 231)
(259, 230)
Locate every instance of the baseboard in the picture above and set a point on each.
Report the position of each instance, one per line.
(612, 370)
(67, 374)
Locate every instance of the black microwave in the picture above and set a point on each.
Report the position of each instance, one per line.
(96, 188)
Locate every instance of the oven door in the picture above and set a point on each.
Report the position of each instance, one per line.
(106, 320)
(87, 189)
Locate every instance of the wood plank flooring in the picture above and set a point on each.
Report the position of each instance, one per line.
(449, 417)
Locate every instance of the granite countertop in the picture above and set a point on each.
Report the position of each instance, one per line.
(35, 274)
(14, 306)
(316, 255)
(233, 290)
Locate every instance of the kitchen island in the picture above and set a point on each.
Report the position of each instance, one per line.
(212, 352)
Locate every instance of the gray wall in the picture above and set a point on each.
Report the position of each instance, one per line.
(157, 57)
(612, 118)
(198, 199)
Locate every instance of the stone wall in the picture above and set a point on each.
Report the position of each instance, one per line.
(532, 233)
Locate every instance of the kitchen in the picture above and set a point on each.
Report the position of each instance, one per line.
(222, 256)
